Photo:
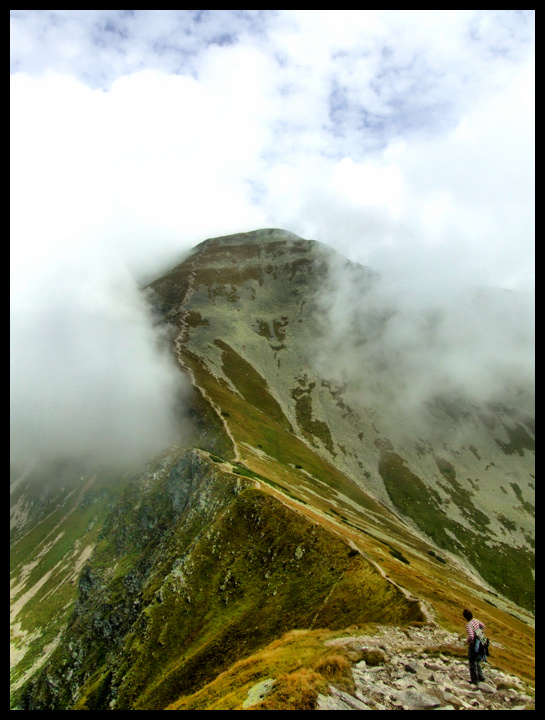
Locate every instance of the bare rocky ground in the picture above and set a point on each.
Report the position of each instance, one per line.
(416, 672)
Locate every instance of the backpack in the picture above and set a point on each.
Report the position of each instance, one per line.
(482, 644)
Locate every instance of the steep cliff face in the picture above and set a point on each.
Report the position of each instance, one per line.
(302, 507)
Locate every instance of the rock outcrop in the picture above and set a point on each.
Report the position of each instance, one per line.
(421, 669)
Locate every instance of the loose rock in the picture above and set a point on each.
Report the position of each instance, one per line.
(413, 676)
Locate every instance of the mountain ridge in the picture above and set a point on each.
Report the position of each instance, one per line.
(247, 319)
(310, 397)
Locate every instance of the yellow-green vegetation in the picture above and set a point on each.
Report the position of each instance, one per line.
(496, 562)
(204, 564)
(300, 663)
(284, 451)
(310, 426)
(250, 384)
(198, 572)
(295, 691)
(232, 564)
(264, 569)
(373, 658)
(408, 492)
(45, 561)
(427, 574)
(461, 496)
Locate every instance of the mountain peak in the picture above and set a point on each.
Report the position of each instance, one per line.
(263, 235)
(291, 326)
(270, 241)
(311, 504)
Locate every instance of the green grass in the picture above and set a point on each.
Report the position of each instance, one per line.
(250, 384)
(506, 568)
(299, 662)
(519, 440)
(260, 429)
(408, 491)
(310, 426)
(53, 546)
(253, 570)
(257, 587)
(461, 497)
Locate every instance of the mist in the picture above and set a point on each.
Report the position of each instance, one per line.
(404, 140)
(403, 343)
(92, 373)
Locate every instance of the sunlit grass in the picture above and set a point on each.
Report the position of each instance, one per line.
(301, 664)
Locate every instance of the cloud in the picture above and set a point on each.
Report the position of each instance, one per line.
(403, 349)
(403, 139)
(108, 189)
(91, 377)
(458, 203)
(99, 46)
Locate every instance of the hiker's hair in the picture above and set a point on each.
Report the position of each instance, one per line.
(468, 615)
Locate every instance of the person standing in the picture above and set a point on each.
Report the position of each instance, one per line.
(475, 670)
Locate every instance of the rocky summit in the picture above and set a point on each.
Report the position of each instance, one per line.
(311, 542)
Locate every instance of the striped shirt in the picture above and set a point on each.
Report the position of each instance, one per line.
(472, 627)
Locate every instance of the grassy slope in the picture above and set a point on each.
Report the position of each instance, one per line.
(280, 557)
(234, 632)
(299, 657)
(256, 586)
(291, 468)
(46, 556)
(223, 269)
(197, 568)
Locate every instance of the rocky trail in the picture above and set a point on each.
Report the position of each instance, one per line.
(413, 669)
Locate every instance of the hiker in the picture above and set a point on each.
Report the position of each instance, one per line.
(473, 625)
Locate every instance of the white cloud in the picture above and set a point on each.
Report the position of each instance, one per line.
(403, 139)
(104, 183)
(89, 374)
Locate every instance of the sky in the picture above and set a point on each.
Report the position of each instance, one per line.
(403, 139)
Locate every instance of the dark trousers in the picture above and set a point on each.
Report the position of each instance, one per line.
(475, 670)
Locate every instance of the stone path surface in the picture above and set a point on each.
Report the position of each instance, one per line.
(411, 669)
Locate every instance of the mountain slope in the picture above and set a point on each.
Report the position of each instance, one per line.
(250, 312)
(301, 506)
